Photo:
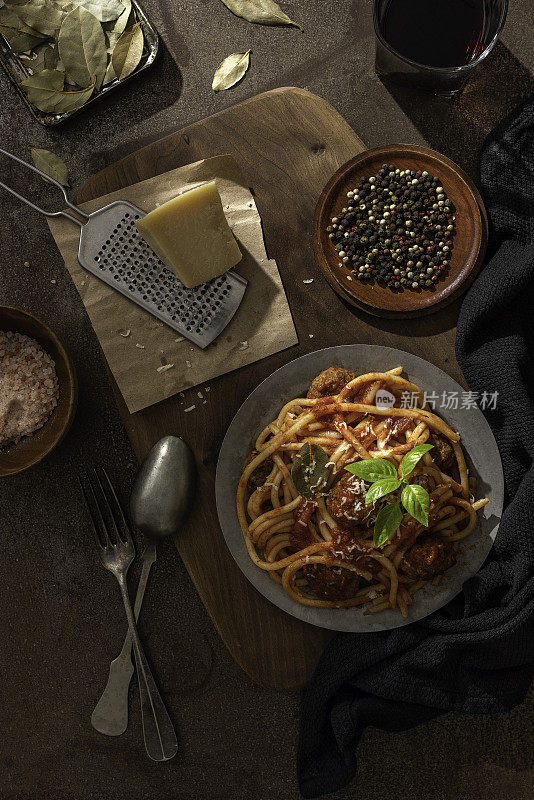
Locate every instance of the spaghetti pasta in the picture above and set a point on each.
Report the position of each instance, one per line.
(318, 544)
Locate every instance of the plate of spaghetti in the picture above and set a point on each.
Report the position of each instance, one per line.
(349, 498)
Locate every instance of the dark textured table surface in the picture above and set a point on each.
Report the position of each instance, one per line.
(61, 617)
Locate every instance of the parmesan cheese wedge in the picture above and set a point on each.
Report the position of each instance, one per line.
(191, 236)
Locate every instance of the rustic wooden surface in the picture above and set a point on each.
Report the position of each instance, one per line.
(288, 143)
(62, 615)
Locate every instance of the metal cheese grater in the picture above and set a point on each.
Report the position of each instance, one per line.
(112, 249)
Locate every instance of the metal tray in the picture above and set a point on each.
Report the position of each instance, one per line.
(17, 70)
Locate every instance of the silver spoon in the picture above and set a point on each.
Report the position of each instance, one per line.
(161, 495)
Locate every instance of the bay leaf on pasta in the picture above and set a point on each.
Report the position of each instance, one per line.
(128, 51)
(230, 71)
(310, 470)
(82, 48)
(262, 12)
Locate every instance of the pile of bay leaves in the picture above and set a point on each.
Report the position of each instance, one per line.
(71, 48)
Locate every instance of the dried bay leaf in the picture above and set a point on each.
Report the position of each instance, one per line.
(262, 12)
(52, 60)
(118, 26)
(18, 41)
(51, 165)
(36, 61)
(103, 10)
(11, 20)
(41, 15)
(47, 79)
(128, 51)
(230, 71)
(18, 35)
(311, 470)
(110, 74)
(82, 48)
(45, 91)
(70, 101)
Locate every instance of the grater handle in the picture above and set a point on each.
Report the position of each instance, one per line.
(48, 179)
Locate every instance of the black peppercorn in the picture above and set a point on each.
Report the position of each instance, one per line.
(397, 224)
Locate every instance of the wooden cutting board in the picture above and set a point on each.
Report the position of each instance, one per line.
(288, 142)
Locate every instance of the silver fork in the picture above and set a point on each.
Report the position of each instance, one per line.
(117, 552)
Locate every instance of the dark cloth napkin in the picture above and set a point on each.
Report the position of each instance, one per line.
(476, 655)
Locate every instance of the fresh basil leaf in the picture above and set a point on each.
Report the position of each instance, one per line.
(416, 501)
(310, 472)
(381, 488)
(372, 469)
(388, 520)
(410, 460)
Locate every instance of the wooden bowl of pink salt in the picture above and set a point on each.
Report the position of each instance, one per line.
(38, 390)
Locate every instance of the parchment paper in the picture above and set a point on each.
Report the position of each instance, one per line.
(262, 325)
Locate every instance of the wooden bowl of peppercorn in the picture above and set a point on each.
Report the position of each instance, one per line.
(400, 231)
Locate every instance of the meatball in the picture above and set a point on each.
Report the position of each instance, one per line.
(329, 382)
(331, 584)
(346, 503)
(350, 546)
(443, 454)
(261, 473)
(428, 557)
(425, 481)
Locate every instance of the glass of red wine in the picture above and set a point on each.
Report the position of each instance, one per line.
(435, 44)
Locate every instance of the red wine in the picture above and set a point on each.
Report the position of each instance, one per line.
(437, 33)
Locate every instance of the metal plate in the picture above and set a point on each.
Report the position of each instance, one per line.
(293, 380)
(112, 249)
(17, 69)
